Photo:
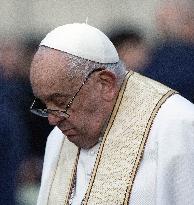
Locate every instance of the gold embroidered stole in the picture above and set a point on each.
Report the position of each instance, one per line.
(64, 174)
(121, 149)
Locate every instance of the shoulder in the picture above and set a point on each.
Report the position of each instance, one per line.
(173, 127)
(176, 108)
(55, 135)
(54, 142)
(53, 145)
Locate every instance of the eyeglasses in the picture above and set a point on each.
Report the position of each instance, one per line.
(36, 109)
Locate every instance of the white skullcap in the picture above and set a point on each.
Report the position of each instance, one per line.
(83, 41)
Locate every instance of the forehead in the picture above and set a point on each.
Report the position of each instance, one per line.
(50, 61)
(50, 73)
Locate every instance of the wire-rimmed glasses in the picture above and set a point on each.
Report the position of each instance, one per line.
(40, 109)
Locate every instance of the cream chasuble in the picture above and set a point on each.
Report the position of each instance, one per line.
(118, 161)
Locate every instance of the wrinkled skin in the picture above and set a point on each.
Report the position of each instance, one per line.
(90, 110)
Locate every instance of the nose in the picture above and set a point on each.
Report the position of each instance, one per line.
(53, 119)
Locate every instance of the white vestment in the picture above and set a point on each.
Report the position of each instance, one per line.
(166, 172)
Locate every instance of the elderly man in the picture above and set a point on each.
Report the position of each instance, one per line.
(120, 138)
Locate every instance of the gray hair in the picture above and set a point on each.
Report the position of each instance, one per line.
(84, 67)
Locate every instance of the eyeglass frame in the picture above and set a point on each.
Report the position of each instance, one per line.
(60, 113)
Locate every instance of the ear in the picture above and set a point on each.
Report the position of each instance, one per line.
(107, 82)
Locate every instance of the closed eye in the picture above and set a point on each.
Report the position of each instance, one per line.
(60, 102)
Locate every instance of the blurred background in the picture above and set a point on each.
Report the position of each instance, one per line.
(152, 37)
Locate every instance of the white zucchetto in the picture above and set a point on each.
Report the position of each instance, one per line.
(82, 40)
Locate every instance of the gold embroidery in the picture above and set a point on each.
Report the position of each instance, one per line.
(55, 172)
(125, 138)
(143, 144)
(72, 179)
(99, 154)
(121, 148)
(65, 172)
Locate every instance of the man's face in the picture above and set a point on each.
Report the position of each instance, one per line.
(52, 84)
